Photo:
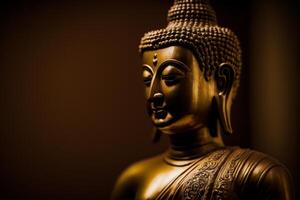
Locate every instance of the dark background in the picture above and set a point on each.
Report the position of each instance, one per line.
(71, 95)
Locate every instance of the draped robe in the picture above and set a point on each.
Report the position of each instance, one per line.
(230, 173)
(224, 173)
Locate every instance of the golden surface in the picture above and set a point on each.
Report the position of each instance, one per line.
(197, 165)
(191, 73)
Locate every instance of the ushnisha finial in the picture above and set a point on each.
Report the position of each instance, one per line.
(191, 13)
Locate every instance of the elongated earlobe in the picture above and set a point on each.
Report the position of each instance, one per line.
(224, 114)
(225, 78)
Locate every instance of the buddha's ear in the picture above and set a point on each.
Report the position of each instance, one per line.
(224, 78)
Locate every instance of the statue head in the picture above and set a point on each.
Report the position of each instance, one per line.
(191, 70)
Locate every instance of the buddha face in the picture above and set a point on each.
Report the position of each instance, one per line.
(179, 98)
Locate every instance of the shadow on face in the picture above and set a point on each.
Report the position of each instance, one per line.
(178, 96)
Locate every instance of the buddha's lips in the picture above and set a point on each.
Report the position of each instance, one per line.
(160, 113)
(158, 108)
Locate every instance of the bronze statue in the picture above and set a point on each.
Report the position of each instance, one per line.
(191, 72)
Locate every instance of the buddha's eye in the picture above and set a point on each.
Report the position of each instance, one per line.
(172, 75)
(147, 77)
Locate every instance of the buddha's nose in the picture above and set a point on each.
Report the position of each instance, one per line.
(157, 100)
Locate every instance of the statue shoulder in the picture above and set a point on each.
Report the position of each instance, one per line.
(129, 180)
(264, 175)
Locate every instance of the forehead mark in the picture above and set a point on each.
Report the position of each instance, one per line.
(155, 59)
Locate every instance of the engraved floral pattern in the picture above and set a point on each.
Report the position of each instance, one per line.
(223, 184)
(198, 183)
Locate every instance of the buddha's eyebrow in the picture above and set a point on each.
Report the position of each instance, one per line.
(148, 68)
(175, 63)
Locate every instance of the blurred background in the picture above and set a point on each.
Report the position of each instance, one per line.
(71, 95)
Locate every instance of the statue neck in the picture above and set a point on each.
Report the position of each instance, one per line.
(190, 145)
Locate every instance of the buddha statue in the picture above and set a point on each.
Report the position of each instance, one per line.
(191, 72)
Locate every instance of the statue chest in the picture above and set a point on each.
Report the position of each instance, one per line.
(211, 177)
